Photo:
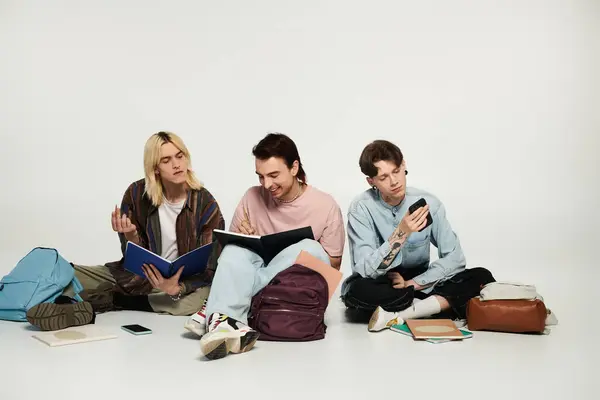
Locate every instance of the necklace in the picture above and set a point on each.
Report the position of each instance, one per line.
(296, 196)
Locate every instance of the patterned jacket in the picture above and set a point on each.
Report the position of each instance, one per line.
(194, 228)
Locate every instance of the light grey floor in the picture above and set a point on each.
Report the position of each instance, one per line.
(349, 363)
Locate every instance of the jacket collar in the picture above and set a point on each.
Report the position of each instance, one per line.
(187, 204)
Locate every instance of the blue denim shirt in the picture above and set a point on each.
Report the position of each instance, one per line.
(371, 221)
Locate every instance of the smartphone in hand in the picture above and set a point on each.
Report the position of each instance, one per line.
(418, 204)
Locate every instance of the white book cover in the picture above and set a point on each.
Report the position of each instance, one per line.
(74, 335)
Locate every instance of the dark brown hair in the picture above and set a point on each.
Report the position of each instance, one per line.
(280, 146)
(379, 150)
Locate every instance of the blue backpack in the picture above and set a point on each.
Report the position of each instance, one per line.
(40, 277)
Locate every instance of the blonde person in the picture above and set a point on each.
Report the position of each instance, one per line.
(168, 212)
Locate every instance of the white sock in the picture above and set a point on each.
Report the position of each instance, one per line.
(421, 309)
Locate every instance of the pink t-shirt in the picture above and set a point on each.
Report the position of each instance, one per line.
(313, 208)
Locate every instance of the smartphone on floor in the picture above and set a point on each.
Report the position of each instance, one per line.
(136, 329)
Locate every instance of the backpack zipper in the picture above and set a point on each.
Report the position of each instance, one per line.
(314, 303)
(288, 311)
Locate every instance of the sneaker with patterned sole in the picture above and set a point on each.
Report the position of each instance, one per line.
(381, 319)
(63, 313)
(226, 335)
(197, 322)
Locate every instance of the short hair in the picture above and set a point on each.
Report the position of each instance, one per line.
(153, 186)
(280, 146)
(379, 150)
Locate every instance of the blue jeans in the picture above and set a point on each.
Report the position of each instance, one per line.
(241, 273)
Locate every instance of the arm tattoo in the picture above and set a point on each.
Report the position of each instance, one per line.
(398, 240)
(392, 254)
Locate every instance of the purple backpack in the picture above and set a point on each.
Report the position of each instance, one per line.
(291, 308)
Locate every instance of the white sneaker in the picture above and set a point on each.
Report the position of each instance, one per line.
(551, 318)
(197, 322)
(382, 319)
(460, 323)
(226, 335)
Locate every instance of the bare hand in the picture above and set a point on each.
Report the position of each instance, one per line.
(413, 284)
(397, 280)
(122, 224)
(246, 227)
(414, 222)
(169, 286)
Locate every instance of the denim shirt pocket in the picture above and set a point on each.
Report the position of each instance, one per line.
(416, 249)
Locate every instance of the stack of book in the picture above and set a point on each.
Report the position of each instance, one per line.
(432, 330)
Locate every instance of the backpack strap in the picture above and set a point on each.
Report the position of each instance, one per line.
(77, 288)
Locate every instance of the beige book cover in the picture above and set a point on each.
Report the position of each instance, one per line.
(74, 335)
(331, 275)
(434, 329)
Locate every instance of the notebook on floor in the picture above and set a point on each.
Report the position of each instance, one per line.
(422, 329)
(75, 335)
(405, 330)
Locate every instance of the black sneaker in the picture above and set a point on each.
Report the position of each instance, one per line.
(63, 313)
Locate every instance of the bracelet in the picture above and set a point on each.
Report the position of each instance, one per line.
(178, 297)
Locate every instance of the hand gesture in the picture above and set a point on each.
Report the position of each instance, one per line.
(397, 280)
(122, 224)
(169, 286)
(414, 222)
(246, 227)
(410, 223)
(414, 284)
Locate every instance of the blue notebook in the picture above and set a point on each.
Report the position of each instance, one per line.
(194, 262)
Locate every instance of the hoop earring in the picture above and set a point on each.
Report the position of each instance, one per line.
(405, 172)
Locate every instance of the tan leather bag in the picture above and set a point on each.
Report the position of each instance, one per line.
(515, 316)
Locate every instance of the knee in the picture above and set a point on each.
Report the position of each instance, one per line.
(314, 248)
(230, 258)
(233, 252)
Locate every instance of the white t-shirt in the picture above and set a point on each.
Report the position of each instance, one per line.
(167, 213)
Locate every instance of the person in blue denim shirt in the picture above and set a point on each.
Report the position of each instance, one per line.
(393, 276)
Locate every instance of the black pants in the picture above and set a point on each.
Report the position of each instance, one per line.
(367, 294)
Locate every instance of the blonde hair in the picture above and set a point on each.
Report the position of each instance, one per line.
(154, 188)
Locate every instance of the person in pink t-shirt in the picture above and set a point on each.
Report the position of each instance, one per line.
(283, 201)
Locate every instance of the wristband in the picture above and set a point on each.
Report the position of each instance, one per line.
(179, 294)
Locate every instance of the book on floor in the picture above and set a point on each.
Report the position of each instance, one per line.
(74, 335)
(434, 329)
(402, 329)
(405, 330)
(267, 246)
(194, 262)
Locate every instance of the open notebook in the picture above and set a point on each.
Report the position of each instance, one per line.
(267, 246)
(75, 335)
